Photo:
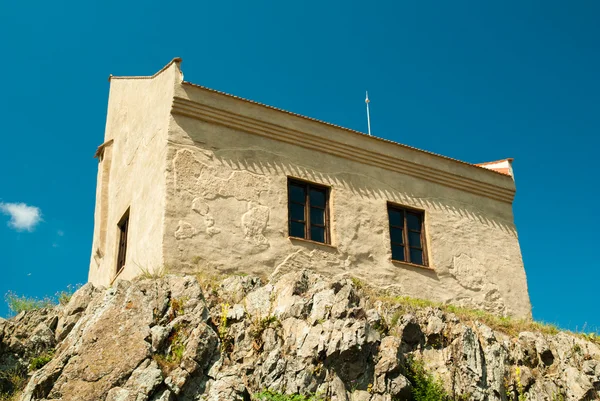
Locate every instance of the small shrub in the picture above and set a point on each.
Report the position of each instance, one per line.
(258, 328)
(357, 283)
(382, 327)
(425, 386)
(395, 318)
(175, 347)
(177, 308)
(18, 304)
(41, 360)
(520, 389)
(226, 342)
(267, 395)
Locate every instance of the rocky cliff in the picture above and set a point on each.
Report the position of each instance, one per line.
(178, 338)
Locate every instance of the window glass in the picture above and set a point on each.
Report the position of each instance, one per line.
(413, 221)
(296, 211)
(308, 219)
(297, 229)
(396, 235)
(416, 256)
(396, 218)
(317, 198)
(407, 235)
(414, 239)
(297, 194)
(317, 216)
(317, 234)
(398, 252)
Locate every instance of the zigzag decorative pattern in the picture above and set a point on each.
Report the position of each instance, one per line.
(306, 140)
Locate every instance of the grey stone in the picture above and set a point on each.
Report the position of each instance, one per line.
(299, 334)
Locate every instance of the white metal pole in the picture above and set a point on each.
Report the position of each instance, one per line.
(368, 114)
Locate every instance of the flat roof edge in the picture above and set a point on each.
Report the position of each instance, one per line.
(176, 60)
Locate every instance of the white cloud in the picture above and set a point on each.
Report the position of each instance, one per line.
(22, 217)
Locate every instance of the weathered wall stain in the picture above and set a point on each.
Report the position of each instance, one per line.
(241, 185)
(187, 171)
(185, 230)
(254, 223)
(468, 272)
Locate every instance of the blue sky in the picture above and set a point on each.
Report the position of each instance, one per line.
(477, 81)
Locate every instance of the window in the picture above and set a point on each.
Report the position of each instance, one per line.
(308, 211)
(407, 235)
(123, 228)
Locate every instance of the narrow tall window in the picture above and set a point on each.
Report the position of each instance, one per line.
(407, 235)
(308, 210)
(123, 229)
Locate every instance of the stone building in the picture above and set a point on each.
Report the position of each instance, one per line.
(195, 179)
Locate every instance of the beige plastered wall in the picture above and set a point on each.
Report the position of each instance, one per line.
(226, 206)
(131, 175)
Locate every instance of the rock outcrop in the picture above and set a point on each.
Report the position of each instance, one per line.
(168, 339)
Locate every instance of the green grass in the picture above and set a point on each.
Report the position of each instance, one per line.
(425, 387)
(259, 326)
(41, 360)
(63, 297)
(152, 274)
(19, 303)
(267, 395)
(508, 325)
(175, 347)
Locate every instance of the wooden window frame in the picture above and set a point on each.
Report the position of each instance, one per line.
(123, 231)
(405, 238)
(307, 206)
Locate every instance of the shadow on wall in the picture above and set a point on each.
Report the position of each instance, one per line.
(364, 185)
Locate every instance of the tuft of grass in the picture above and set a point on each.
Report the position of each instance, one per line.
(210, 281)
(395, 318)
(19, 303)
(63, 297)
(40, 361)
(505, 324)
(591, 337)
(152, 274)
(268, 395)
